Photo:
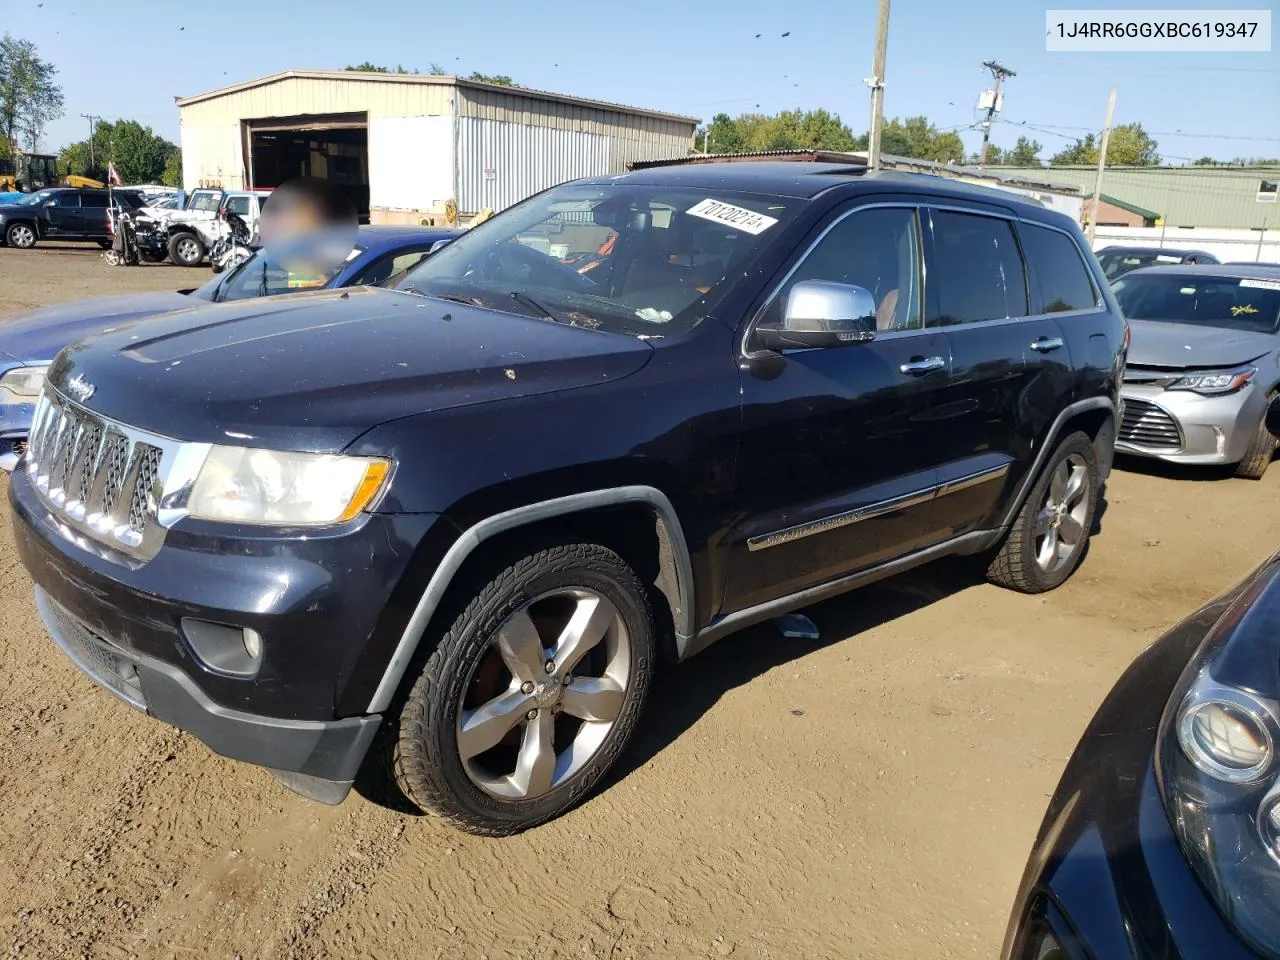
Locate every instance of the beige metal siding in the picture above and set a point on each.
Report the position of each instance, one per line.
(294, 96)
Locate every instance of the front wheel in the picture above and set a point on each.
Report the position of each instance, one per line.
(531, 694)
(186, 250)
(21, 235)
(1262, 449)
(1047, 540)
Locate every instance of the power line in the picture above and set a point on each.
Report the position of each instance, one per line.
(999, 71)
(1156, 133)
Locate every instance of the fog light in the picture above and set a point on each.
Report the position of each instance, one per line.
(1226, 736)
(1219, 440)
(252, 644)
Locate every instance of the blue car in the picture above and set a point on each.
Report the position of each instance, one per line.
(29, 342)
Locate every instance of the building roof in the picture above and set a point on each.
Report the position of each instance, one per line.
(856, 158)
(1186, 196)
(358, 76)
(1130, 207)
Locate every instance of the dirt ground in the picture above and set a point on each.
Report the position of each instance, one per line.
(873, 794)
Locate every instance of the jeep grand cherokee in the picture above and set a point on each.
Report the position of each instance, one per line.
(616, 422)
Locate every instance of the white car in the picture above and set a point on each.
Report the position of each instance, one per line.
(195, 228)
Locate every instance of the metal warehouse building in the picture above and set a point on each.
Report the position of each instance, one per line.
(412, 147)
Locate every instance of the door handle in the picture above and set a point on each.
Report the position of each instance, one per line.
(1045, 344)
(918, 365)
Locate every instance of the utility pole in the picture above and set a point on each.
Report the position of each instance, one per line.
(91, 118)
(1102, 165)
(876, 83)
(999, 71)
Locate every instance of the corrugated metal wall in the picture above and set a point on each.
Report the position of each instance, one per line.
(293, 96)
(1182, 196)
(500, 164)
(513, 143)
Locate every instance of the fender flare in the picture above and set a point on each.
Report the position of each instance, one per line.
(1050, 441)
(673, 555)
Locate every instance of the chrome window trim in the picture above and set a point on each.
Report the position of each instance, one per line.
(835, 521)
(673, 550)
(808, 251)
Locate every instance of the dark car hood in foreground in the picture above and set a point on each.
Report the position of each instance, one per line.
(36, 337)
(313, 371)
(1161, 344)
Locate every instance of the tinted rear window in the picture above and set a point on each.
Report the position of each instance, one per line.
(1061, 276)
(98, 200)
(977, 269)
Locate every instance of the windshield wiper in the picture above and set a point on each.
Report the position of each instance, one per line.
(528, 301)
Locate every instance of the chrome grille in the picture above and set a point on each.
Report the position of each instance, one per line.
(1147, 425)
(97, 476)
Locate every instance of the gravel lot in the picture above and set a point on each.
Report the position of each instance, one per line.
(874, 794)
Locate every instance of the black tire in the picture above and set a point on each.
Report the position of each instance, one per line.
(428, 765)
(186, 249)
(154, 256)
(21, 235)
(1024, 561)
(1261, 452)
(105, 244)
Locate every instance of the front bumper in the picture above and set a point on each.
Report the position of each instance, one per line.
(1180, 426)
(321, 605)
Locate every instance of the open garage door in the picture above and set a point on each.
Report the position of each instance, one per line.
(330, 146)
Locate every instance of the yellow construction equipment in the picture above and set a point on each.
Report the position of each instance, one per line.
(75, 180)
(28, 171)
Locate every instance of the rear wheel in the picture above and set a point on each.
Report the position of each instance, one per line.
(186, 250)
(531, 694)
(21, 235)
(1258, 457)
(154, 256)
(1048, 537)
(105, 244)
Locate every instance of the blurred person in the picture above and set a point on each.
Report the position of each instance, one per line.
(309, 227)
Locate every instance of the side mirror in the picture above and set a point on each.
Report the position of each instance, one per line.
(820, 313)
(1273, 418)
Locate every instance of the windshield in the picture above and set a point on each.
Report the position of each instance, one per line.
(1246, 304)
(35, 199)
(624, 258)
(1116, 264)
(263, 275)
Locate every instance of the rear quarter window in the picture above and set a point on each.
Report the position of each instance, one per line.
(1061, 279)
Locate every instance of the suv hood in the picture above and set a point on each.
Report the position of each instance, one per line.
(1159, 344)
(36, 337)
(313, 371)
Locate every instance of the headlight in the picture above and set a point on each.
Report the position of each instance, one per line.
(24, 381)
(1216, 763)
(1215, 382)
(244, 485)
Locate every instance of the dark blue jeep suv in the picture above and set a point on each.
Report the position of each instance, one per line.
(614, 423)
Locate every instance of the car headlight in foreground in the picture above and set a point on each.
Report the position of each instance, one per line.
(1214, 383)
(246, 485)
(24, 381)
(1217, 767)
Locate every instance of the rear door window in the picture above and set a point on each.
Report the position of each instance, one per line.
(977, 272)
(96, 200)
(1061, 279)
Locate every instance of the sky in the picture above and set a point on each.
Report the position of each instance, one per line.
(129, 59)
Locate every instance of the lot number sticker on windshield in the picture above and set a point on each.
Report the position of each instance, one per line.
(726, 213)
(1260, 284)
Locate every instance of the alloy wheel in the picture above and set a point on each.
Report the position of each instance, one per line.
(22, 236)
(1060, 524)
(188, 251)
(545, 694)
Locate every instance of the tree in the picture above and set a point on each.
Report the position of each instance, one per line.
(917, 138)
(788, 130)
(29, 97)
(138, 154)
(1130, 146)
(498, 78)
(434, 69)
(1025, 153)
(1205, 162)
(172, 176)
